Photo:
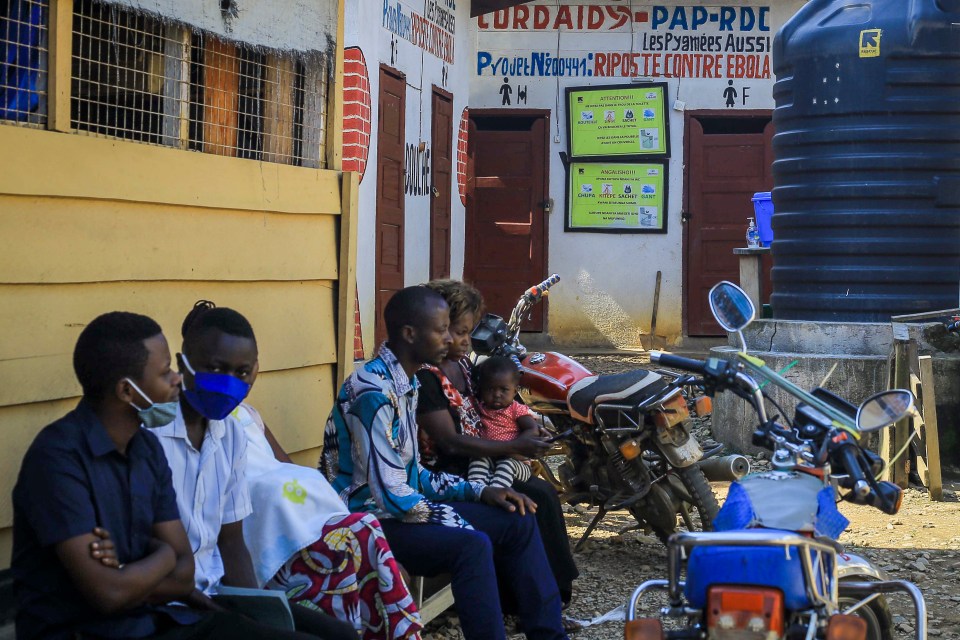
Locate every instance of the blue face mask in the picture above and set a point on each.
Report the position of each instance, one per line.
(157, 414)
(214, 395)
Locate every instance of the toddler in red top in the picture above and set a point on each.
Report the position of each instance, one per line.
(502, 418)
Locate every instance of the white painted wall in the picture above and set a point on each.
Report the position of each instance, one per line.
(368, 26)
(606, 293)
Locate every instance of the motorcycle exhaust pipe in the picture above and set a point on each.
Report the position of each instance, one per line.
(725, 468)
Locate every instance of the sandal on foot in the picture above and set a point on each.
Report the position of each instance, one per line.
(571, 625)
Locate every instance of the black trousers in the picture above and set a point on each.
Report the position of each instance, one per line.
(553, 532)
(502, 548)
(230, 626)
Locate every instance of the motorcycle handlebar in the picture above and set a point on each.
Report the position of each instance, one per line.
(887, 497)
(536, 292)
(884, 496)
(851, 463)
(678, 362)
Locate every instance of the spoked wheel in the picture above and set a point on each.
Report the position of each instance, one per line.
(875, 613)
(668, 500)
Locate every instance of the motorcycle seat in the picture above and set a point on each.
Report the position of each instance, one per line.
(630, 388)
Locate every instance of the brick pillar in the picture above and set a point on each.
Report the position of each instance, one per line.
(356, 111)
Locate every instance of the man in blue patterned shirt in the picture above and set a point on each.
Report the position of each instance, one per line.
(432, 520)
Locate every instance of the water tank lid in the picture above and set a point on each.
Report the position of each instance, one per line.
(760, 195)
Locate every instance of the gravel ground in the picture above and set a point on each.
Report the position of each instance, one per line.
(921, 544)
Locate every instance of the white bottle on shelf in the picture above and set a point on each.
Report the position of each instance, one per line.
(753, 235)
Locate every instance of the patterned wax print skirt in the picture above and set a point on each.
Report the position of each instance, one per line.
(350, 573)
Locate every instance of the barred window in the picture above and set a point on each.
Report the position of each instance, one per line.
(119, 80)
(257, 105)
(23, 61)
(137, 78)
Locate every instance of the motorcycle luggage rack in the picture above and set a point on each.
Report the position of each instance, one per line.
(682, 542)
(630, 413)
(622, 415)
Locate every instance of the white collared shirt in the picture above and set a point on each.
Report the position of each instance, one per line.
(211, 488)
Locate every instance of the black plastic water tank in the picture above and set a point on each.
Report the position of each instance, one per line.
(867, 160)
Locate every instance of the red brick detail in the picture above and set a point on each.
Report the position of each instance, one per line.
(462, 155)
(356, 111)
(357, 333)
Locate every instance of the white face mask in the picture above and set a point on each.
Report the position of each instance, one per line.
(157, 414)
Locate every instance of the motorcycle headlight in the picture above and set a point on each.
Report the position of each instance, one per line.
(489, 335)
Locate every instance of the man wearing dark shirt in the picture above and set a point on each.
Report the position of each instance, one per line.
(95, 468)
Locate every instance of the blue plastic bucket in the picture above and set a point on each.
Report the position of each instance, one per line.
(763, 209)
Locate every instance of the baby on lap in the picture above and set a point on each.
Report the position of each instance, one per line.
(503, 419)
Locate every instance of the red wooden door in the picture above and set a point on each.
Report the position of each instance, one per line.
(390, 184)
(441, 168)
(730, 159)
(505, 249)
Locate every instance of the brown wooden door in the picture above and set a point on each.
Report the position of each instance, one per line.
(390, 184)
(505, 241)
(441, 168)
(730, 159)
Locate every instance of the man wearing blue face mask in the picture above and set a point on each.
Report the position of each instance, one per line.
(205, 447)
(99, 550)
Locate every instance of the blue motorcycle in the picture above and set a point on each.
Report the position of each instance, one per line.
(772, 569)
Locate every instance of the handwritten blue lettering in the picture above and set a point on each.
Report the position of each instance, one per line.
(536, 64)
(727, 18)
(396, 21)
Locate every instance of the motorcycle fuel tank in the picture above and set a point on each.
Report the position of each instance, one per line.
(546, 378)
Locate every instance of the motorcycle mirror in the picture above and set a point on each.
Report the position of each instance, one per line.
(884, 409)
(732, 308)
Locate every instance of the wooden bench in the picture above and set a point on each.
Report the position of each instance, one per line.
(432, 595)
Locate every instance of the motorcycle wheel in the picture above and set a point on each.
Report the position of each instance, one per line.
(876, 614)
(699, 496)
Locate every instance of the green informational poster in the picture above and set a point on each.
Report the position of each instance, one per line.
(617, 197)
(618, 120)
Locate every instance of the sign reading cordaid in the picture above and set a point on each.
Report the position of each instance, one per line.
(617, 197)
(618, 121)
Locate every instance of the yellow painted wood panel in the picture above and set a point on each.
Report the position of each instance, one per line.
(294, 323)
(56, 240)
(21, 424)
(347, 286)
(295, 404)
(60, 44)
(91, 167)
(334, 140)
(307, 457)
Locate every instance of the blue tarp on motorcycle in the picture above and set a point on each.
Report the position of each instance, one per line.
(786, 501)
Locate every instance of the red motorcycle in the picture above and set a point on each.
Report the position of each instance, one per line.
(626, 437)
